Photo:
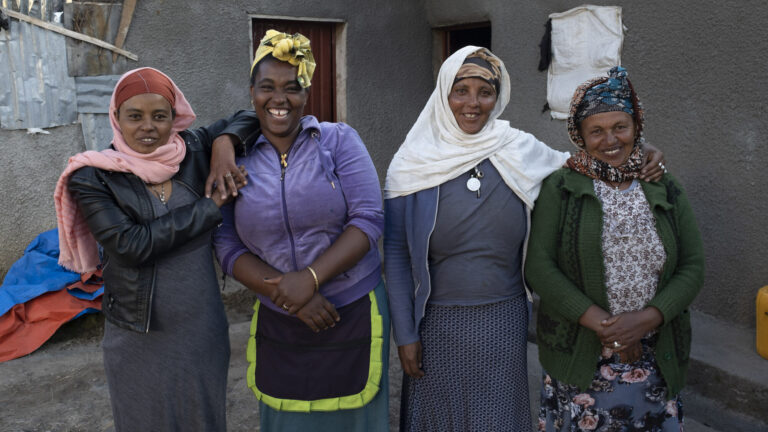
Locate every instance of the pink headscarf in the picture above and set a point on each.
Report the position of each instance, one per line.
(78, 248)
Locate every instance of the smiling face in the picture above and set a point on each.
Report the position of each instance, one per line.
(279, 101)
(609, 136)
(145, 121)
(471, 100)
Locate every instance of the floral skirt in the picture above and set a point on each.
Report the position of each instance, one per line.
(623, 397)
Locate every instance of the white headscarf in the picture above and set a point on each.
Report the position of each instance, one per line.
(437, 150)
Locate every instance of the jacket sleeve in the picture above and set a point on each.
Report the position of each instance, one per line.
(133, 241)
(542, 271)
(226, 241)
(360, 184)
(241, 124)
(397, 267)
(683, 286)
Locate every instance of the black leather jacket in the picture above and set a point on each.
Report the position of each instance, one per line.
(119, 213)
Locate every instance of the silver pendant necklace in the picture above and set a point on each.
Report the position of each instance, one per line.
(161, 193)
(474, 183)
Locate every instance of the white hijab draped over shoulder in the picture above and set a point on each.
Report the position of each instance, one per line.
(437, 150)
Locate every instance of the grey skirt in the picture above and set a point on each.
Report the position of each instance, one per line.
(475, 365)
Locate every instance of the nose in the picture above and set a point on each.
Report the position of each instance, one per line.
(474, 99)
(147, 124)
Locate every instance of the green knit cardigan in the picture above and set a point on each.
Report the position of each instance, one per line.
(564, 266)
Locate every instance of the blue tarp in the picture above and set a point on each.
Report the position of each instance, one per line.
(38, 272)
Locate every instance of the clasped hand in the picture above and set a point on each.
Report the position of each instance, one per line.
(628, 329)
(295, 293)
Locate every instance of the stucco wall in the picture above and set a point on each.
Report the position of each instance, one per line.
(31, 164)
(700, 70)
(699, 67)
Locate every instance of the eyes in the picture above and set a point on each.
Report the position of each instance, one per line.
(484, 92)
(292, 88)
(619, 128)
(159, 116)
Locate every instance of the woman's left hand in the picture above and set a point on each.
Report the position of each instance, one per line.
(225, 174)
(318, 314)
(292, 290)
(629, 327)
(654, 167)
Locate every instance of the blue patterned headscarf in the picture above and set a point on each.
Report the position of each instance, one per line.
(614, 94)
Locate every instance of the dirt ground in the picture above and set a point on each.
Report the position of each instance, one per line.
(61, 387)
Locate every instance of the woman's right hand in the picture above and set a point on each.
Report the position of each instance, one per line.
(318, 314)
(220, 200)
(410, 359)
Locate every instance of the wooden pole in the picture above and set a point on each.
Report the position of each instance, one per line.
(125, 21)
(70, 33)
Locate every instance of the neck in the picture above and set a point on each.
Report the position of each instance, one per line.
(282, 143)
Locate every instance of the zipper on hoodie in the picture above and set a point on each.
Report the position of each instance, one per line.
(283, 165)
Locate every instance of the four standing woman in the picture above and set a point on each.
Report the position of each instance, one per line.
(303, 234)
(166, 344)
(617, 263)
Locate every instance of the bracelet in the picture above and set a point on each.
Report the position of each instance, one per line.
(314, 276)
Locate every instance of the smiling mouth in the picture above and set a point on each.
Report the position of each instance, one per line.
(147, 140)
(278, 112)
(471, 116)
(613, 151)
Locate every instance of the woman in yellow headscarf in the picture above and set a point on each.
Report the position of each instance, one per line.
(303, 235)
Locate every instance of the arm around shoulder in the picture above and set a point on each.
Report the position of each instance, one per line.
(114, 223)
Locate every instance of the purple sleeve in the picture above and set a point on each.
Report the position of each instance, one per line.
(226, 242)
(360, 184)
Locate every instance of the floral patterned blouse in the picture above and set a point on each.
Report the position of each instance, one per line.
(632, 250)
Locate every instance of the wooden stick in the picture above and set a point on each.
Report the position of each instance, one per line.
(70, 33)
(125, 21)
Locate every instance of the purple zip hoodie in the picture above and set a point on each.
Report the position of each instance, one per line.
(288, 217)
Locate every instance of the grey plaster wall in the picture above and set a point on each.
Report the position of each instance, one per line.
(700, 70)
(31, 164)
(698, 66)
(204, 46)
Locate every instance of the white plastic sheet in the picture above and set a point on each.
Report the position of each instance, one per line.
(586, 43)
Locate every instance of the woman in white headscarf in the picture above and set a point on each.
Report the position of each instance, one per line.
(458, 198)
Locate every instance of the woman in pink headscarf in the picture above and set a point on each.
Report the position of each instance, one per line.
(143, 201)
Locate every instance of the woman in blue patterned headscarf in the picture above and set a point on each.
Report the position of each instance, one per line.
(616, 263)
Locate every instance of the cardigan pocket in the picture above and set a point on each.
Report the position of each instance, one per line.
(554, 333)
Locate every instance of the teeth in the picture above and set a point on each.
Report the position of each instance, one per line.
(278, 112)
(470, 115)
(147, 140)
(612, 151)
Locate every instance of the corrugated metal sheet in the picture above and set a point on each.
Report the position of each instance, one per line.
(35, 88)
(93, 95)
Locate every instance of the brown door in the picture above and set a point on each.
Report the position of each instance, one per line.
(322, 97)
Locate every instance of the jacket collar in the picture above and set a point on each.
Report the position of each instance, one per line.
(581, 185)
(308, 125)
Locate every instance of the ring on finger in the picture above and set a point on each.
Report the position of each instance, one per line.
(285, 306)
(229, 174)
(616, 344)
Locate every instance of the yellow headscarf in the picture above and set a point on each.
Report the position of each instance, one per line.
(292, 49)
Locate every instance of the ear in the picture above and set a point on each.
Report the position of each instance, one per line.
(117, 113)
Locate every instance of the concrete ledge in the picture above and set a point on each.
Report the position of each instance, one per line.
(728, 375)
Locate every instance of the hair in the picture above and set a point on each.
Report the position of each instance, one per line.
(255, 71)
(256, 67)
